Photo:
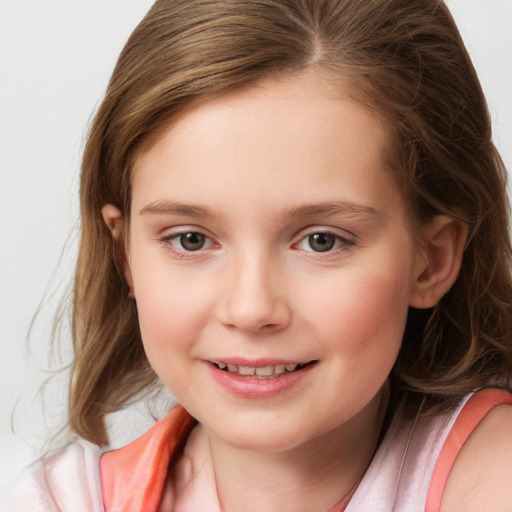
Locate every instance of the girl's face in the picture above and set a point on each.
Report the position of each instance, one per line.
(271, 262)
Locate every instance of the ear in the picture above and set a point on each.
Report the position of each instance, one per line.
(439, 260)
(115, 222)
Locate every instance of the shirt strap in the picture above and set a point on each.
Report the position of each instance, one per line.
(473, 412)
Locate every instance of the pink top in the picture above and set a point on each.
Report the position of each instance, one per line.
(470, 416)
(408, 473)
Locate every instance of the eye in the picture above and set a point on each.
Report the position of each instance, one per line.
(190, 241)
(323, 241)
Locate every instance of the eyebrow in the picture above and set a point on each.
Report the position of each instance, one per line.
(332, 208)
(307, 210)
(170, 207)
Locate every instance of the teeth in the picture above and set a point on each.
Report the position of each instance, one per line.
(265, 371)
(262, 372)
(279, 369)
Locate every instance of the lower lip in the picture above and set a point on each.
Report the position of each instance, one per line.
(249, 387)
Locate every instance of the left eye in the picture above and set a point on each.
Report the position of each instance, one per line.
(191, 241)
(321, 242)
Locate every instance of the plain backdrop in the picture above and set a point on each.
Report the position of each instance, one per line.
(55, 60)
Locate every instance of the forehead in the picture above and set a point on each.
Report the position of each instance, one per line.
(296, 139)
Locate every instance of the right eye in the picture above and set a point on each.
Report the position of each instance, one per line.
(189, 241)
(321, 242)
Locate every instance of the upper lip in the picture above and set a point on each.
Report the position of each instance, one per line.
(258, 363)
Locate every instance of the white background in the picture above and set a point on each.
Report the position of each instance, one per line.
(55, 60)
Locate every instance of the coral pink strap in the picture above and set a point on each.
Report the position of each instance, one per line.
(473, 412)
(134, 476)
(343, 504)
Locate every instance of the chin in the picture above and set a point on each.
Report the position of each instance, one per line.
(261, 439)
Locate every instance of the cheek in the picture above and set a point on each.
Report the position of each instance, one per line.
(363, 311)
(171, 322)
(172, 309)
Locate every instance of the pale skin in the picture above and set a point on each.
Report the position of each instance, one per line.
(254, 177)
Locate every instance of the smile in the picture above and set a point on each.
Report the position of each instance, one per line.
(259, 379)
(260, 372)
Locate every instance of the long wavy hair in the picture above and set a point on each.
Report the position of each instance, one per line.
(404, 60)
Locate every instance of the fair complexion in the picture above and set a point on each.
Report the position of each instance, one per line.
(481, 476)
(266, 231)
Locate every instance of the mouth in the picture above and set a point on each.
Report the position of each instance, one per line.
(271, 371)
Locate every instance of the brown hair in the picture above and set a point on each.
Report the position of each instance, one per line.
(404, 59)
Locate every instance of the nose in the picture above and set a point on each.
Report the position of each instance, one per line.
(254, 298)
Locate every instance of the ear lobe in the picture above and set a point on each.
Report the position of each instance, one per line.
(439, 262)
(115, 222)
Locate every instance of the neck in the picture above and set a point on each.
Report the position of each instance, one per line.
(313, 476)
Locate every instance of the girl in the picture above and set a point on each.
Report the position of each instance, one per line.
(294, 218)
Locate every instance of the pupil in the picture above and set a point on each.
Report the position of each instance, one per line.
(321, 242)
(192, 241)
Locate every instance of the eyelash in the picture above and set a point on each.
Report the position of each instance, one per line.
(168, 242)
(340, 243)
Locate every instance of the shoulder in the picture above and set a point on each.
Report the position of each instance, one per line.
(65, 481)
(481, 476)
